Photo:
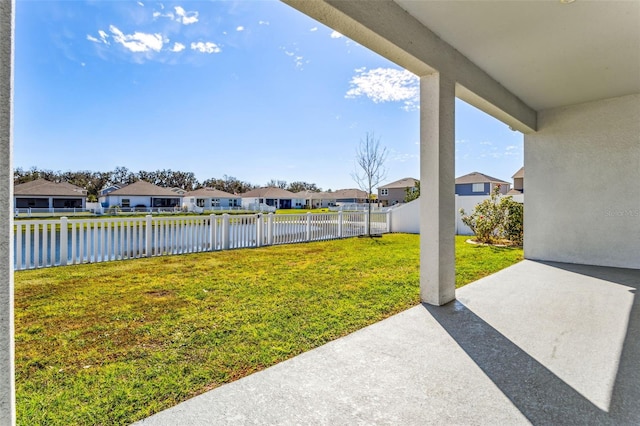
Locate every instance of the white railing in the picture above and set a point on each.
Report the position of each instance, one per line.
(65, 241)
(355, 207)
(33, 211)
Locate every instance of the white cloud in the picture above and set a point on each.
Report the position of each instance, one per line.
(140, 4)
(386, 85)
(336, 34)
(263, 22)
(185, 17)
(208, 47)
(177, 47)
(137, 42)
(314, 29)
(239, 28)
(102, 39)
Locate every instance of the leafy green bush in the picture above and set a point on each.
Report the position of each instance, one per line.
(514, 225)
(497, 218)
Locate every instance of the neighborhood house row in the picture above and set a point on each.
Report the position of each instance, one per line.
(42, 194)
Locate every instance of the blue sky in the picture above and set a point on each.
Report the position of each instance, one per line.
(251, 89)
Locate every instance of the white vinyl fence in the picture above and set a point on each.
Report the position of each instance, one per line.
(64, 241)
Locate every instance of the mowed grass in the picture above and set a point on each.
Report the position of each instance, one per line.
(112, 343)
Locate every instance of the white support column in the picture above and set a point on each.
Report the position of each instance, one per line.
(437, 179)
(7, 387)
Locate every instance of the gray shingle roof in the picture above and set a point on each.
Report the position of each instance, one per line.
(477, 177)
(402, 183)
(44, 188)
(142, 188)
(350, 193)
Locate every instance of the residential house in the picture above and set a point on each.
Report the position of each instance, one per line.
(210, 199)
(349, 196)
(518, 182)
(395, 192)
(271, 197)
(140, 195)
(479, 184)
(43, 194)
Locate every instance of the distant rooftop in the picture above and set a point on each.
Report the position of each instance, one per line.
(407, 182)
(42, 187)
(477, 177)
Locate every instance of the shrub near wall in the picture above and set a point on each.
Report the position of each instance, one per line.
(495, 219)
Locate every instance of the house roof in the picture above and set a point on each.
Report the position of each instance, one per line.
(269, 192)
(519, 173)
(476, 177)
(210, 193)
(402, 183)
(42, 188)
(143, 188)
(311, 194)
(349, 193)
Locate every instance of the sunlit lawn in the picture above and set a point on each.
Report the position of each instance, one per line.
(112, 343)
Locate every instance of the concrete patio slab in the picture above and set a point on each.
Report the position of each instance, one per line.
(537, 343)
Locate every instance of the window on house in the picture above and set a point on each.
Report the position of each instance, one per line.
(200, 202)
(126, 202)
(478, 187)
(384, 192)
(215, 202)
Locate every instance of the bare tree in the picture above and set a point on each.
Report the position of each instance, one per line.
(369, 170)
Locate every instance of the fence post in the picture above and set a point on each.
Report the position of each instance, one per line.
(64, 241)
(212, 232)
(270, 229)
(225, 231)
(388, 220)
(340, 224)
(259, 237)
(308, 226)
(147, 232)
(367, 218)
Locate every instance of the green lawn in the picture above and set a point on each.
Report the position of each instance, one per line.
(112, 343)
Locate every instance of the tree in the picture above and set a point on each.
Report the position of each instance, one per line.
(273, 183)
(412, 193)
(302, 186)
(369, 171)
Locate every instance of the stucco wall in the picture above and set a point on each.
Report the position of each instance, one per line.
(7, 394)
(583, 184)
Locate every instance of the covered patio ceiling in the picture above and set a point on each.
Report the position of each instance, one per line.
(548, 53)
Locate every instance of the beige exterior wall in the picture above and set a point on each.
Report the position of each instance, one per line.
(583, 184)
(395, 196)
(518, 183)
